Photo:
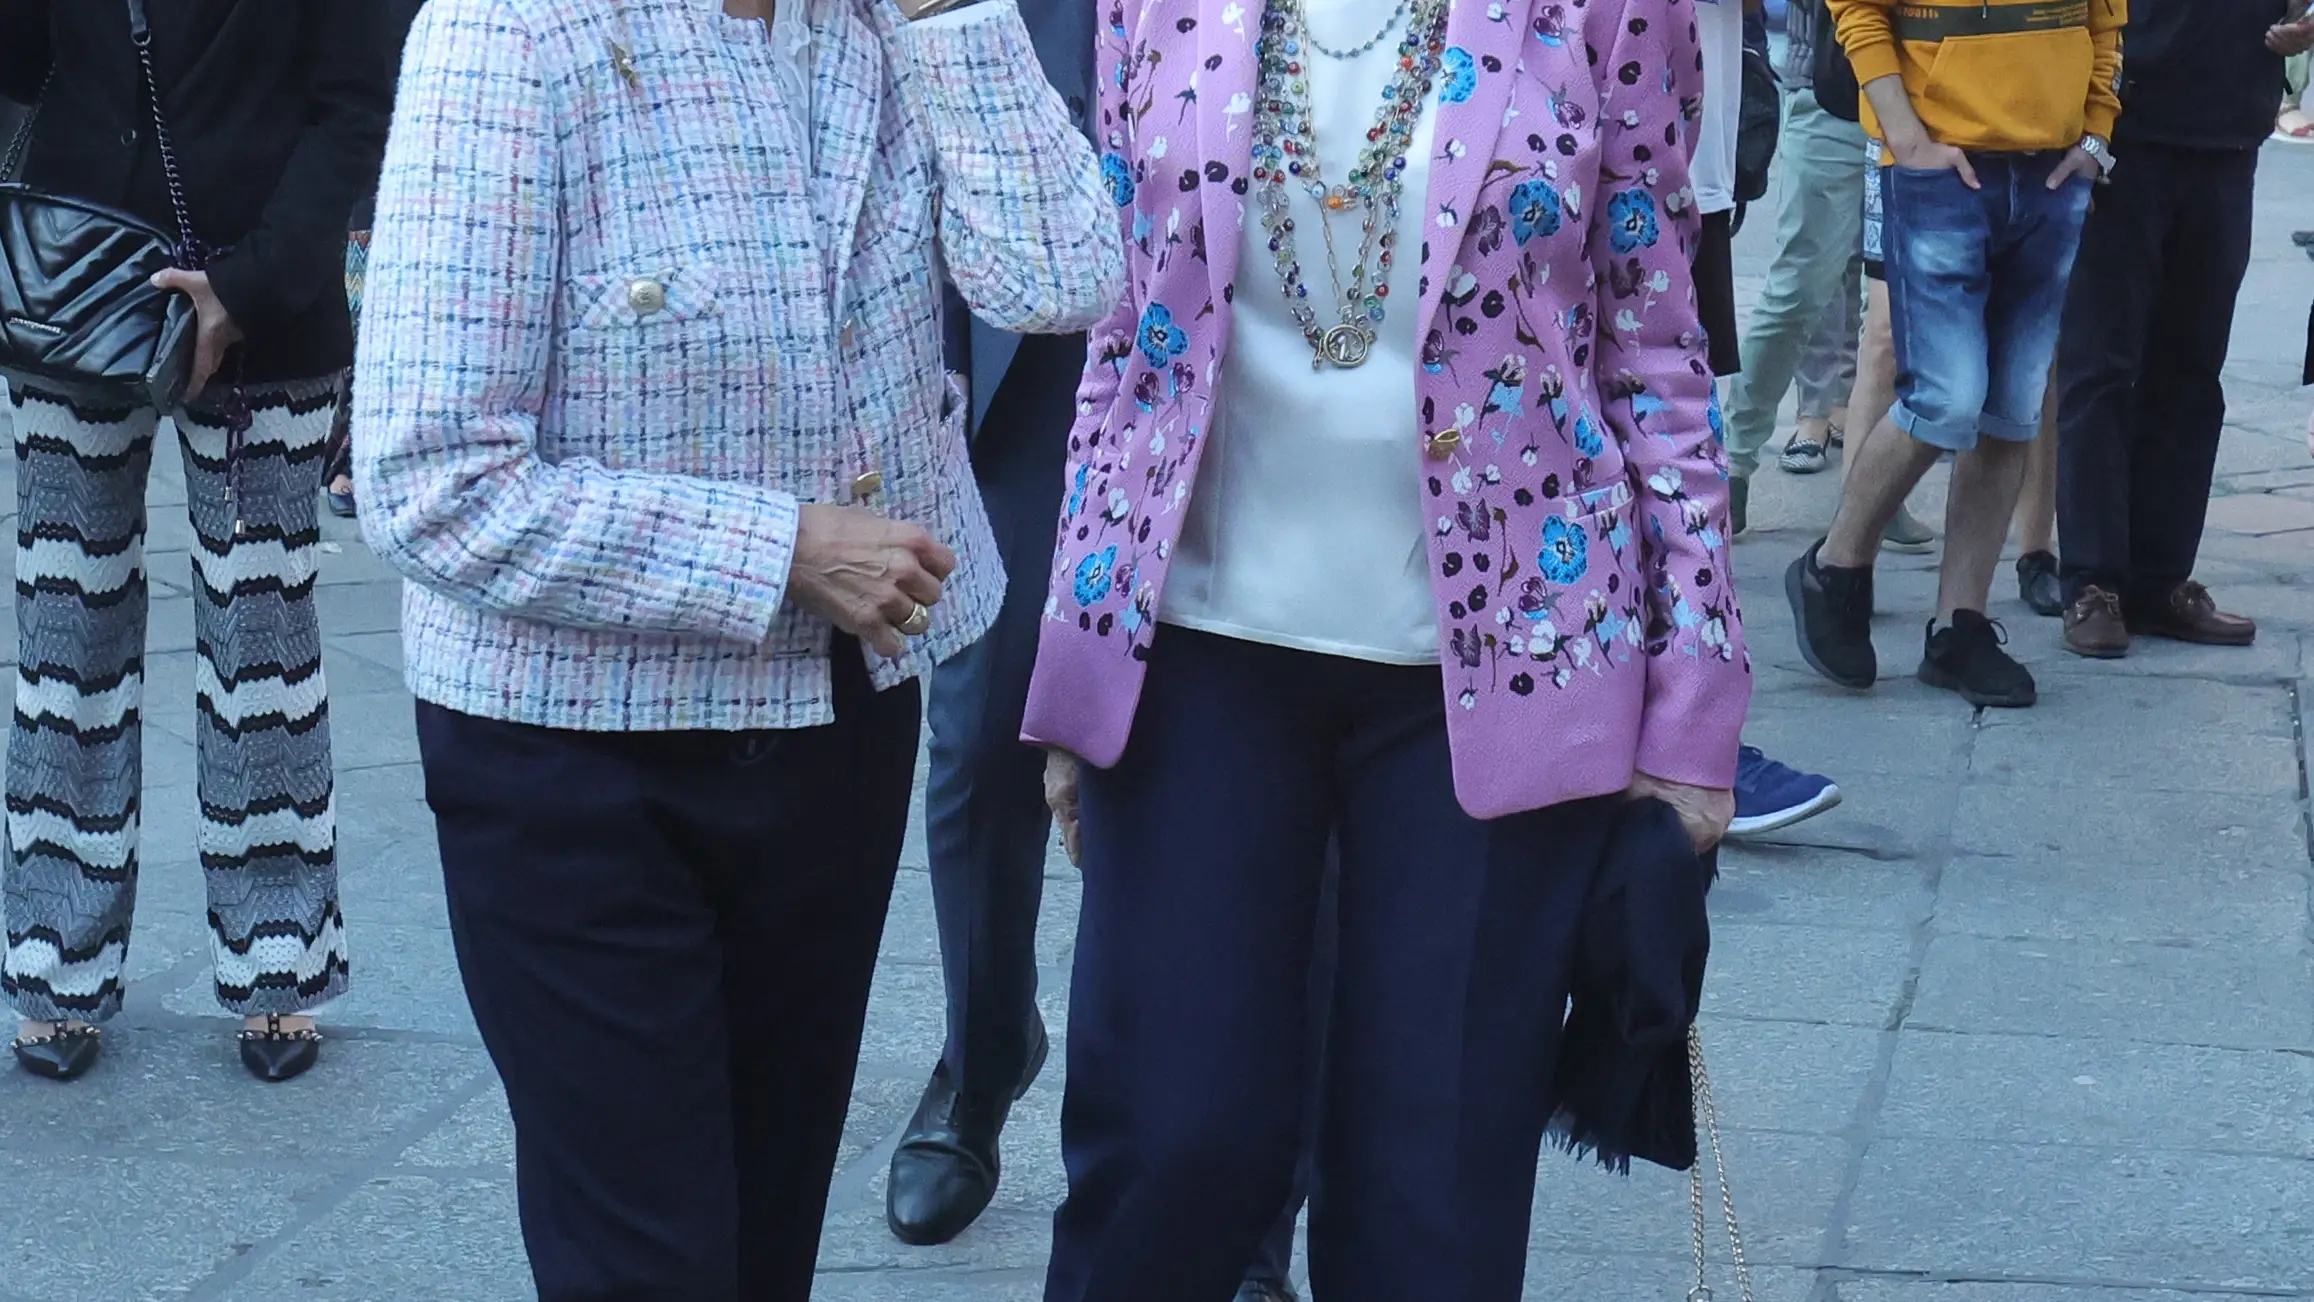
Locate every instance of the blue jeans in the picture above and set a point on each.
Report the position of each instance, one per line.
(1976, 291)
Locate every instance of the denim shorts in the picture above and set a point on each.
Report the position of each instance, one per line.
(1976, 290)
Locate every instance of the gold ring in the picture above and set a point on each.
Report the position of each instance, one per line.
(918, 623)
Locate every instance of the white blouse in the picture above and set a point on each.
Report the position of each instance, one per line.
(1306, 530)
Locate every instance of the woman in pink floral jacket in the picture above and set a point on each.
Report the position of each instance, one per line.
(1396, 517)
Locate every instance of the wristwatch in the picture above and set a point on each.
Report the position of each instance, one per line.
(2099, 150)
(914, 10)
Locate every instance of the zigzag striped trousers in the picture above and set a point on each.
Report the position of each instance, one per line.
(267, 833)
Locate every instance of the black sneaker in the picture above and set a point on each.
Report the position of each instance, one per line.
(1832, 613)
(1966, 658)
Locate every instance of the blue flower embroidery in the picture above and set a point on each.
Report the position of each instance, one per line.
(1535, 209)
(1077, 489)
(1711, 416)
(1457, 76)
(1095, 574)
(1631, 220)
(1587, 440)
(1161, 341)
(1119, 178)
(1565, 559)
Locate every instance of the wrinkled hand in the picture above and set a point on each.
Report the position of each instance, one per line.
(1925, 155)
(2078, 163)
(1061, 769)
(2291, 38)
(1704, 812)
(866, 573)
(214, 331)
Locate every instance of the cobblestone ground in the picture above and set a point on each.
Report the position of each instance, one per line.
(2030, 1017)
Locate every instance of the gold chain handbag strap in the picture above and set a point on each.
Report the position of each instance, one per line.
(1707, 1112)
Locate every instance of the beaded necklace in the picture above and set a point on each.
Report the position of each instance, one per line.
(1285, 153)
(1390, 25)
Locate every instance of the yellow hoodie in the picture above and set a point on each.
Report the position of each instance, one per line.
(2003, 75)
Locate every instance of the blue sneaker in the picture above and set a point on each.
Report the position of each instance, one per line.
(1769, 795)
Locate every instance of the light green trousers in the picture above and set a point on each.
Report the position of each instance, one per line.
(1819, 232)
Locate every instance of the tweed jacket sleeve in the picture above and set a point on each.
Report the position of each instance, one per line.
(458, 322)
(1696, 661)
(1026, 227)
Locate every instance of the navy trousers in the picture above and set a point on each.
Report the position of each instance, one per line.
(667, 940)
(1188, 1028)
(986, 822)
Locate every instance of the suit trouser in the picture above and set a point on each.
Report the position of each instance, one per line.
(1188, 1031)
(2140, 399)
(986, 822)
(667, 940)
(1818, 234)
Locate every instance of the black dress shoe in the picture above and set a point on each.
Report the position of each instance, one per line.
(274, 1055)
(66, 1052)
(1266, 1290)
(945, 1170)
(2037, 583)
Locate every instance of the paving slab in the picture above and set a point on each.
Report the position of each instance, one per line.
(2037, 1089)
(2163, 994)
(2054, 1212)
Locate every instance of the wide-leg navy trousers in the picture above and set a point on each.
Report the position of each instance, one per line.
(1188, 1027)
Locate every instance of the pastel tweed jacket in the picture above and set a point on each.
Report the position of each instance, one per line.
(623, 319)
(1569, 441)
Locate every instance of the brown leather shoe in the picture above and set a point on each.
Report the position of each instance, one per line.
(2189, 614)
(2094, 626)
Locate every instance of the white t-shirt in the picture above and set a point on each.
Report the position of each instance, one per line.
(1307, 527)
(1720, 28)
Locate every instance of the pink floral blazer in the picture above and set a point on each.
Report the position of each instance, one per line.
(1570, 441)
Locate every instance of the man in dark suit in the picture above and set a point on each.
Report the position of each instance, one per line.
(989, 828)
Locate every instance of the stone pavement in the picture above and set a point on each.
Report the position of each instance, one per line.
(2031, 1017)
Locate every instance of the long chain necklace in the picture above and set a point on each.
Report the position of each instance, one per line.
(1376, 39)
(1285, 153)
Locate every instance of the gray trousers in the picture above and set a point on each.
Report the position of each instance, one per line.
(267, 833)
(1819, 233)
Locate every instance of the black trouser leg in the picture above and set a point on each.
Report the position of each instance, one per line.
(2099, 357)
(667, 940)
(2181, 397)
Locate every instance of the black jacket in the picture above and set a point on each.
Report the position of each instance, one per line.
(2198, 75)
(400, 16)
(278, 109)
(1621, 1088)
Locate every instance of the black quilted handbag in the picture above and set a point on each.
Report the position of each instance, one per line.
(79, 316)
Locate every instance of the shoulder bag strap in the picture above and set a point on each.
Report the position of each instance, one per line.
(190, 252)
(22, 141)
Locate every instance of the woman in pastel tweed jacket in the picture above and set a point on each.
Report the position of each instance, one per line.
(652, 413)
(1545, 626)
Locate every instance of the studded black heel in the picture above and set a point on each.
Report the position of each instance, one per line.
(65, 1053)
(274, 1054)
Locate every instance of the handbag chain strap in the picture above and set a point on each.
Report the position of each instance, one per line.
(1708, 1111)
(23, 138)
(190, 252)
